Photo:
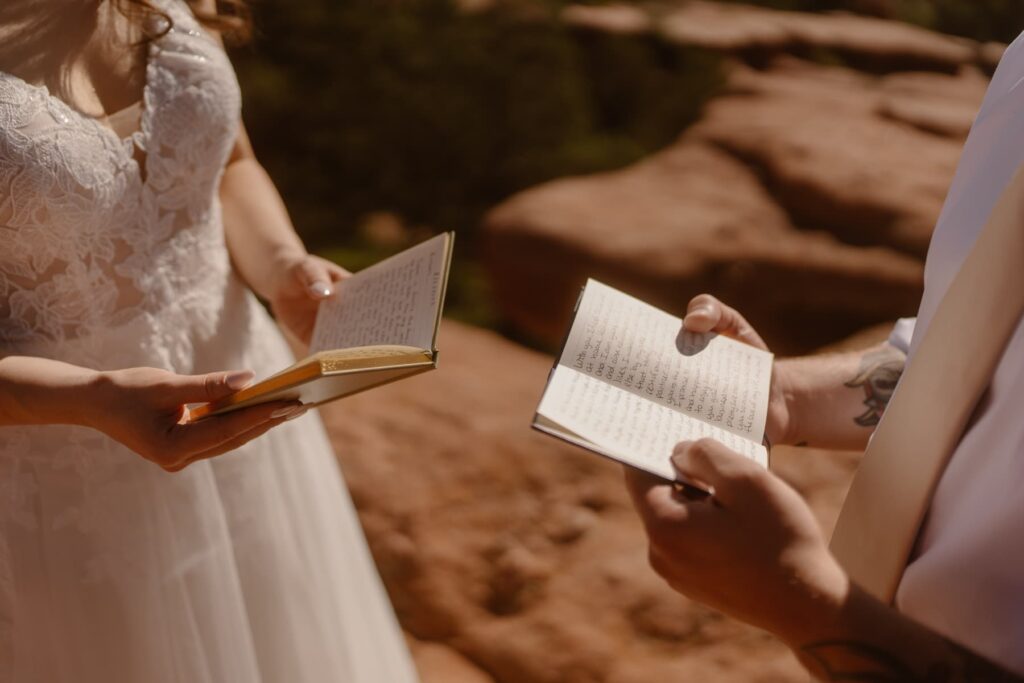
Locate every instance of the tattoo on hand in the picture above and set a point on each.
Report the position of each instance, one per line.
(878, 374)
(852, 661)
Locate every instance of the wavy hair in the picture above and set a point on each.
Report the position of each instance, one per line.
(231, 18)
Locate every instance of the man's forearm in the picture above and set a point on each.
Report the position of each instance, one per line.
(874, 643)
(835, 400)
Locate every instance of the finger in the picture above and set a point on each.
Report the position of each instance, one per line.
(209, 387)
(225, 447)
(727, 472)
(315, 277)
(654, 499)
(705, 313)
(196, 437)
(233, 443)
(336, 272)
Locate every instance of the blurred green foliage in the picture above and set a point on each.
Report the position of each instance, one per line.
(415, 108)
(435, 114)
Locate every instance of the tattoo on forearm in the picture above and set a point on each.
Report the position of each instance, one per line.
(852, 661)
(878, 374)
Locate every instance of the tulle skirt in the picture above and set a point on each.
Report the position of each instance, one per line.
(251, 567)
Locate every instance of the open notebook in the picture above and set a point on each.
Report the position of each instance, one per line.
(380, 325)
(629, 385)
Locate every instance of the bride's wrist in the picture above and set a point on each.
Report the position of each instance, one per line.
(94, 401)
(283, 262)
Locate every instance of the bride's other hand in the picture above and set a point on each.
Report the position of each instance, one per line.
(145, 409)
(301, 284)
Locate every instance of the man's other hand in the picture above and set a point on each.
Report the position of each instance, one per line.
(752, 550)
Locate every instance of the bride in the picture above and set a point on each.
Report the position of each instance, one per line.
(134, 221)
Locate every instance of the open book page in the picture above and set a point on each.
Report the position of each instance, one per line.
(396, 301)
(625, 426)
(638, 348)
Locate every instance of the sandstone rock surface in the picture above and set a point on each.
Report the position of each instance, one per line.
(805, 195)
(758, 33)
(828, 147)
(514, 558)
(690, 219)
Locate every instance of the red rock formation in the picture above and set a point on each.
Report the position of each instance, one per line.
(512, 557)
(828, 148)
(805, 192)
(758, 33)
(688, 220)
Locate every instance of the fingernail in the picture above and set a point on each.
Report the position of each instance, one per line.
(320, 289)
(299, 413)
(289, 411)
(700, 310)
(239, 379)
(680, 448)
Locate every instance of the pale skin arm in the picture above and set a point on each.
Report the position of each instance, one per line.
(143, 408)
(265, 249)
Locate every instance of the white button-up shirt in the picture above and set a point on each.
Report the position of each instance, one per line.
(966, 579)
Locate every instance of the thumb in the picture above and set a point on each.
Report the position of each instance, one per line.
(315, 278)
(705, 313)
(713, 463)
(209, 387)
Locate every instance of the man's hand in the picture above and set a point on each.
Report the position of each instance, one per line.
(302, 282)
(752, 550)
(705, 313)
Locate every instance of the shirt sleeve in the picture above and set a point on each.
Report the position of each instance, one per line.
(902, 333)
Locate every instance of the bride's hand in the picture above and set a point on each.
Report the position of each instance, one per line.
(301, 284)
(144, 409)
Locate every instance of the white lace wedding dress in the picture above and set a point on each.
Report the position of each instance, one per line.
(247, 568)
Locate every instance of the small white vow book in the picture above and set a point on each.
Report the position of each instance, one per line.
(379, 326)
(630, 384)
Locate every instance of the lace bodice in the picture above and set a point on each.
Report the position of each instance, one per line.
(98, 233)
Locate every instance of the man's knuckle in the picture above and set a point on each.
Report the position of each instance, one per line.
(733, 318)
(749, 478)
(702, 449)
